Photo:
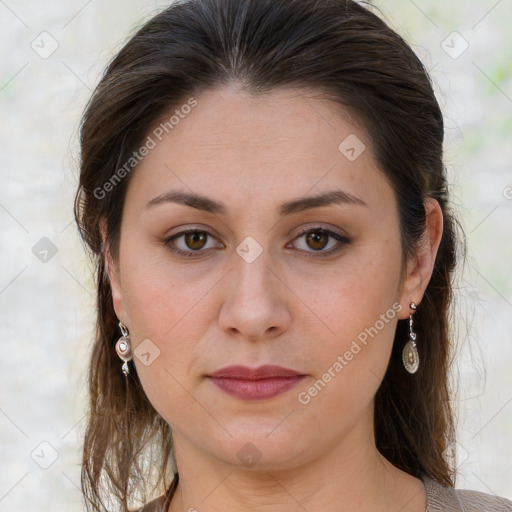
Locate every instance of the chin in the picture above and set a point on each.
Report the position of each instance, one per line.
(261, 449)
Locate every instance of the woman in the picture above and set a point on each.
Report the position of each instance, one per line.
(263, 192)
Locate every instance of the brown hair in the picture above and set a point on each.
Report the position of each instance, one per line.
(342, 49)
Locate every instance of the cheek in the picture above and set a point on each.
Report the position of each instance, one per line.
(352, 296)
(359, 313)
(351, 364)
(160, 297)
(173, 310)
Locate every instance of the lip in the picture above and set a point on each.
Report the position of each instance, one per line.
(259, 383)
(266, 371)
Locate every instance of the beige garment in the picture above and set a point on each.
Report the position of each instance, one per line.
(448, 499)
(439, 499)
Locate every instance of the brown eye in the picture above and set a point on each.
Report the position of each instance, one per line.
(192, 242)
(316, 240)
(195, 240)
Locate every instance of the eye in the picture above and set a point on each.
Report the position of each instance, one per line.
(317, 238)
(192, 243)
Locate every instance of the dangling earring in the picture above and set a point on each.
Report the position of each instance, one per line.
(410, 356)
(124, 348)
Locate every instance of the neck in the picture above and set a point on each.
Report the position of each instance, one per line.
(353, 476)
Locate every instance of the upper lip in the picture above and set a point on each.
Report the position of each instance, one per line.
(261, 372)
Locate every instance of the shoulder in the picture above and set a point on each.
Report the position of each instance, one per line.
(448, 499)
(157, 505)
(161, 504)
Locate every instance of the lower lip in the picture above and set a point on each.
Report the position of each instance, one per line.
(256, 389)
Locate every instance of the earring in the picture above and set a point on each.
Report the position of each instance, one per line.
(124, 348)
(410, 356)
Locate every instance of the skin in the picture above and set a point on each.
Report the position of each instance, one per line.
(285, 308)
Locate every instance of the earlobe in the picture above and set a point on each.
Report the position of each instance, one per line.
(421, 265)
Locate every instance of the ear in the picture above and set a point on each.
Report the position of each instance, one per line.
(112, 271)
(421, 265)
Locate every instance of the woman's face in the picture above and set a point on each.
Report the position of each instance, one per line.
(252, 287)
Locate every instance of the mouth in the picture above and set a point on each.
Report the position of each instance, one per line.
(259, 383)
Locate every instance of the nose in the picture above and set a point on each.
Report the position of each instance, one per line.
(256, 303)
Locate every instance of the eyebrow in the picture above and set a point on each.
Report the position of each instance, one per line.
(206, 204)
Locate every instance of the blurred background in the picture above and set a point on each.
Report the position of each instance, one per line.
(53, 55)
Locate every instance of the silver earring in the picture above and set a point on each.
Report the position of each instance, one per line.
(410, 356)
(124, 348)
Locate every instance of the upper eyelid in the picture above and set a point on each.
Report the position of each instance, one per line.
(302, 229)
(313, 227)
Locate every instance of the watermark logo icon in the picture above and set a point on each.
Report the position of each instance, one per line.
(249, 249)
(455, 454)
(351, 147)
(249, 455)
(147, 352)
(454, 45)
(44, 455)
(44, 250)
(44, 45)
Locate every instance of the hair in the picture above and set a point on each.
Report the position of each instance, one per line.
(337, 47)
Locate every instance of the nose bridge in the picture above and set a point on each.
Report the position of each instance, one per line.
(252, 306)
(252, 267)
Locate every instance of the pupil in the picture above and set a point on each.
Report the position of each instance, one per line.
(194, 238)
(315, 238)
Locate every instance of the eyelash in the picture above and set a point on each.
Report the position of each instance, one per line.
(342, 240)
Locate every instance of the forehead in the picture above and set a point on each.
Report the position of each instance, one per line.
(251, 148)
(302, 121)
